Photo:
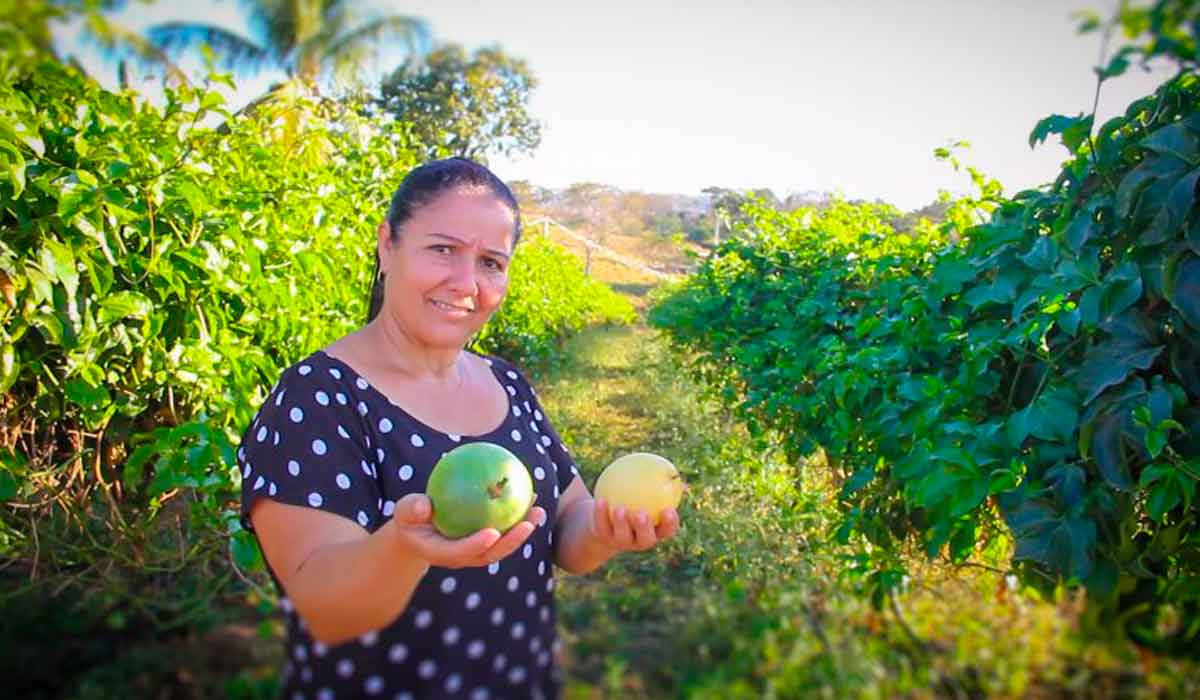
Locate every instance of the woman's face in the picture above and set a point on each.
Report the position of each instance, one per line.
(447, 272)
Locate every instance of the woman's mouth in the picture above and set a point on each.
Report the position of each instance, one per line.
(451, 308)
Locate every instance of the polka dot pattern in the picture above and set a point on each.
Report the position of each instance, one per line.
(328, 439)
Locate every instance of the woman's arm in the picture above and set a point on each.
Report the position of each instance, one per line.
(575, 549)
(345, 582)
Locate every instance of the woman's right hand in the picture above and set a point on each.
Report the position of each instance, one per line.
(412, 524)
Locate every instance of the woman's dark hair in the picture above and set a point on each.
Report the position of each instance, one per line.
(424, 184)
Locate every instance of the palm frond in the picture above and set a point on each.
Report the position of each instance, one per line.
(118, 42)
(276, 23)
(232, 50)
(413, 31)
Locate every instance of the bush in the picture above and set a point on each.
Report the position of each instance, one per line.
(1038, 379)
(156, 275)
(549, 298)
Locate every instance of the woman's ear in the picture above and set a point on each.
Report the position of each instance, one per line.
(383, 247)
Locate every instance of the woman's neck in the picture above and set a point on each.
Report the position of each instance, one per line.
(389, 346)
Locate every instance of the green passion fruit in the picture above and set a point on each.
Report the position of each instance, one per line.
(476, 486)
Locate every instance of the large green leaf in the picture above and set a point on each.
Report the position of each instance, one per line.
(1064, 543)
(84, 394)
(1130, 346)
(1068, 481)
(1171, 216)
(1151, 170)
(1184, 289)
(1081, 229)
(1042, 255)
(124, 305)
(1074, 130)
(1177, 140)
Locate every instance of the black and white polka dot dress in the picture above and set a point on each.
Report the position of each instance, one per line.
(325, 438)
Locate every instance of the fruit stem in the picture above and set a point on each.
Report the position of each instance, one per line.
(497, 489)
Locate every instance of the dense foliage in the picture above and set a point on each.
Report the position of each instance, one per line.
(551, 298)
(1040, 377)
(159, 266)
(465, 105)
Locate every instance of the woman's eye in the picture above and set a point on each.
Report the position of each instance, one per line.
(492, 264)
(439, 248)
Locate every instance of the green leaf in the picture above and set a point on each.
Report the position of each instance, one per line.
(1137, 180)
(1074, 130)
(1122, 289)
(951, 274)
(58, 261)
(1063, 543)
(968, 494)
(1068, 481)
(244, 548)
(84, 394)
(1042, 255)
(15, 164)
(1069, 320)
(858, 480)
(1080, 230)
(1109, 363)
(1089, 306)
(1183, 289)
(1109, 453)
(1028, 297)
(1175, 140)
(1089, 21)
(1171, 216)
(1162, 499)
(8, 485)
(124, 305)
(1153, 473)
(1000, 291)
(1017, 427)
(9, 370)
(1156, 440)
(1056, 413)
(1117, 66)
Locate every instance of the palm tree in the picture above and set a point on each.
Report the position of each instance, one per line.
(306, 39)
(116, 41)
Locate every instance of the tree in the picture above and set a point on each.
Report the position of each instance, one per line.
(593, 206)
(306, 39)
(529, 195)
(465, 105)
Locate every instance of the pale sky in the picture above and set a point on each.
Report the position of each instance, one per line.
(850, 96)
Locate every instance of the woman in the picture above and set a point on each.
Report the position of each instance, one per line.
(334, 467)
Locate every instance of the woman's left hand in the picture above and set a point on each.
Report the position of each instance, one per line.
(625, 531)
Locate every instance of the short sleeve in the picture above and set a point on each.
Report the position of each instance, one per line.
(307, 447)
(550, 441)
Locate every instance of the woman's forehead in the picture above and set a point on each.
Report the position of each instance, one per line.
(467, 214)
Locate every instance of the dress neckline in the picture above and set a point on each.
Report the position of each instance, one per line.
(509, 397)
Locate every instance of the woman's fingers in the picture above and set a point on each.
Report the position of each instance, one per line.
(602, 520)
(668, 524)
(508, 544)
(643, 532)
(489, 545)
(622, 533)
(414, 509)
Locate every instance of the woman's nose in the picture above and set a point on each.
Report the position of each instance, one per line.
(462, 276)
